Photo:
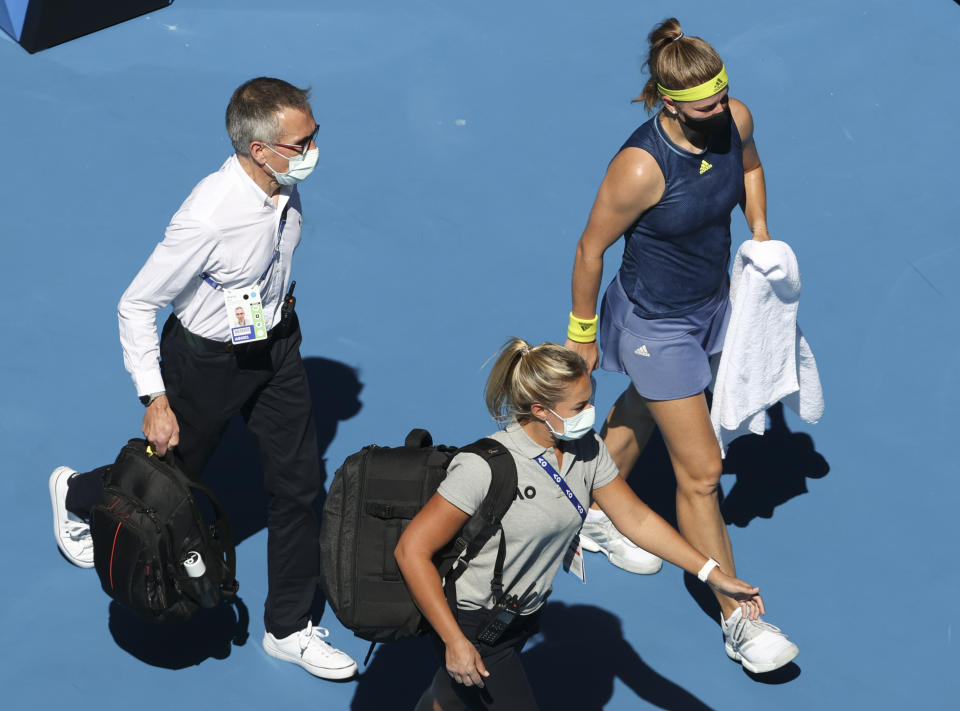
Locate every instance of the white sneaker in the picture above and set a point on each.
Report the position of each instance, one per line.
(308, 649)
(72, 532)
(759, 646)
(603, 537)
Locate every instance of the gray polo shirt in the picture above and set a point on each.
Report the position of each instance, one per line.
(539, 525)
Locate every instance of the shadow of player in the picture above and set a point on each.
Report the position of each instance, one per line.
(566, 632)
(771, 469)
(401, 671)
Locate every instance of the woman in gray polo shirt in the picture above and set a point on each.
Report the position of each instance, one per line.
(544, 393)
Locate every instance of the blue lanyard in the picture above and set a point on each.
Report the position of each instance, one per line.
(561, 482)
(273, 258)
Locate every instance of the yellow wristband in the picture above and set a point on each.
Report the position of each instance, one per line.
(582, 330)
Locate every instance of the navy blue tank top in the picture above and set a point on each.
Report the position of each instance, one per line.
(677, 253)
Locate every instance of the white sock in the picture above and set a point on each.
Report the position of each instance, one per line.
(594, 515)
(726, 622)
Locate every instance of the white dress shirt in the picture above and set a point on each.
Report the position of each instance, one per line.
(227, 228)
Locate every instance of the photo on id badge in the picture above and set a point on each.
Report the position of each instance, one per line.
(245, 315)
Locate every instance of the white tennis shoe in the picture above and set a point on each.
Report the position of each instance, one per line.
(71, 532)
(759, 646)
(308, 649)
(603, 537)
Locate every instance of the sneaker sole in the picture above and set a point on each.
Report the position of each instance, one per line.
(55, 478)
(321, 672)
(785, 657)
(651, 568)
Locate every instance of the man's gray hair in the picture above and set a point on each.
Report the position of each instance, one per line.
(253, 108)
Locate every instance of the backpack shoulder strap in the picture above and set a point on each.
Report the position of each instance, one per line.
(486, 520)
(503, 485)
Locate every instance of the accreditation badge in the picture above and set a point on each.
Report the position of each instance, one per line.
(573, 560)
(245, 315)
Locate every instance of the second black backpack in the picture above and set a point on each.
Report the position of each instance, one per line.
(154, 549)
(374, 495)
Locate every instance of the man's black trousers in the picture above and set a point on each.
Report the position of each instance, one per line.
(206, 385)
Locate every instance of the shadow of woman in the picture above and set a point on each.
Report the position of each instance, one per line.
(770, 469)
(566, 631)
(401, 671)
(396, 676)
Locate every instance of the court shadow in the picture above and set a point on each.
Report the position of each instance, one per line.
(396, 676)
(566, 631)
(770, 470)
(209, 634)
(401, 671)
(235, 475)
(234, 472)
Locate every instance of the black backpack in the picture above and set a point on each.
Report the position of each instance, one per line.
(373, 497)
(147, 526)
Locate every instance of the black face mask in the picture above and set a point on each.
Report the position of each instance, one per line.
(709, 125)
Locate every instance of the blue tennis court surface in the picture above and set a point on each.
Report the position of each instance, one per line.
(461, 148)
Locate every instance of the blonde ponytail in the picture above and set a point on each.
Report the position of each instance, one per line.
(523, 375)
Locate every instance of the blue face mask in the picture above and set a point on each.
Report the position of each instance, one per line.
(300, 167)
(576, 426)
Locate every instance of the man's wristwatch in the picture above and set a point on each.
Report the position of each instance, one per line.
(147, 399)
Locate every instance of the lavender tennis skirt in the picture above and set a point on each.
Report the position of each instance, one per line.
(666, 358)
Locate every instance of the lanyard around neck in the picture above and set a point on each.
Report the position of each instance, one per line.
(273, 257)
(561, 482)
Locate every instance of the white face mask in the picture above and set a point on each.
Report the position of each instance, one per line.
(576, 426)
(300, 166)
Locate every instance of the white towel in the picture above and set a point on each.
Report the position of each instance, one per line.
(765, 356)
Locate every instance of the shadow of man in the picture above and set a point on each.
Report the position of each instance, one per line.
(235, 475)
(565, 632)
(208, 634)
(234, 472)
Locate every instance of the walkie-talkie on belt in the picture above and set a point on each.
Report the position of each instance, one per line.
(502, 614)
(289, 303)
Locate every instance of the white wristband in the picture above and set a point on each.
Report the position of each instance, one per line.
(706, 569)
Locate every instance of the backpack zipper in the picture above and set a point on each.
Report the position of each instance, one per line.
(113, 550)
(140, 508)
(363, 485)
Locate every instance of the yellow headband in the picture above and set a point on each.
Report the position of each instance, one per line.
(702, 91)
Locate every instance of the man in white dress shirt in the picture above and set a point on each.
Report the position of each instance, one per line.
(230, 246)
